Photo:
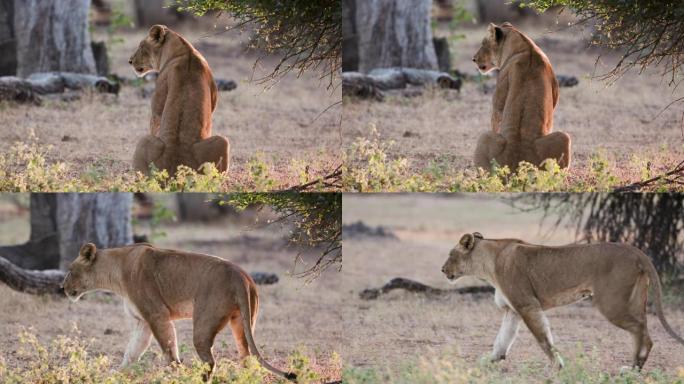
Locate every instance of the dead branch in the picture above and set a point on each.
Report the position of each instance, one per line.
(674, 176)
(417, 287)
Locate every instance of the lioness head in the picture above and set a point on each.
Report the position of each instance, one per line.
(460, 258)
(148, 55)
(488, 56)
(82, 273)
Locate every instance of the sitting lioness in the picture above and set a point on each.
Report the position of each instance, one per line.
(523, 103)
(184, 98)
(162, 285)
(530, 279)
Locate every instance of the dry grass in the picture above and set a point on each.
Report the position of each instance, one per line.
(401, 327)
(281, 125)
(292, 316)
(620, 121)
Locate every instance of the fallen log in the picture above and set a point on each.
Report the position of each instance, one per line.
(49, 281)
(18, 90)
(373, 84)
(417, 287)
(29, 90)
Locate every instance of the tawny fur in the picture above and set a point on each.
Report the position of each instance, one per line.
(524, 99)
(530, 279)
(162, 285)
(184, 98)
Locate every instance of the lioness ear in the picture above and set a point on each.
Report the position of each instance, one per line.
(498, 34)
(467, 241)
(158, 32)
(507, 25)
(478, 235)
(88, 251)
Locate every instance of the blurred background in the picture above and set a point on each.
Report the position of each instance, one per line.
(41, 233)
(388, 236)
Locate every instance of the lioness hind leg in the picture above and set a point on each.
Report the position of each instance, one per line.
(148, 150)
(556, 145)
(506, 336)
(490, 146)
(538, 324)
(239, 336)
(205, 327)
(215, 149)
(626, 309)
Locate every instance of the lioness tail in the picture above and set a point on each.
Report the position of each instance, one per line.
(653, 275)
(246, 312)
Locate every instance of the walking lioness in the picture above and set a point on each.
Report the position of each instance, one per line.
(532, 278)
(522, 106)
(184, 98)
(162, 285)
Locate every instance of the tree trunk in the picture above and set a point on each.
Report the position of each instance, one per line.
(8, 41)
(394, 33)
(61, 223)
(52, 35)
(100, 218)
(350, 42)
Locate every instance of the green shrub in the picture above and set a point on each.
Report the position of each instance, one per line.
(66, 359)
(26, 168)
(368, 167)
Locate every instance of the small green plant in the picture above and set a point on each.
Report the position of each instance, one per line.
(369, 167)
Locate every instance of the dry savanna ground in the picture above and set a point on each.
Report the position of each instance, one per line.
(401, 328)
(284, 126)
(621, 122)
(293, 316)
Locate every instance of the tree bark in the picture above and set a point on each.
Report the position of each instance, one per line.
(8, 41)
(394, 33)
(52, 35)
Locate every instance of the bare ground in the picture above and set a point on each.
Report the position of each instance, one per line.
(399, 327)
(292, 315)
(284, 123)
(621, 121)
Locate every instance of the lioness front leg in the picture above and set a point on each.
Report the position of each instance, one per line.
(215, 149)
(538, 324)
(490, 146)
(556, 145)
(506, 336)
(148, 150)
(138, 344)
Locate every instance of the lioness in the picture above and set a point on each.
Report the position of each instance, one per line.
(532, 278)
(162, 285)
(184, 98)
(523, 103)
